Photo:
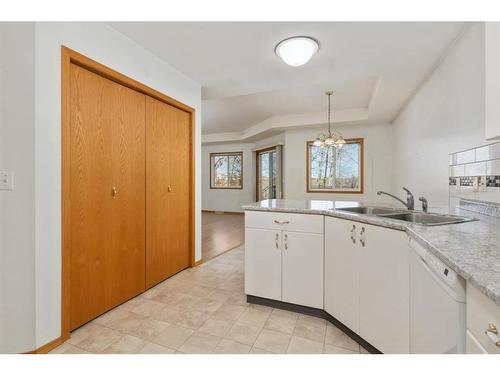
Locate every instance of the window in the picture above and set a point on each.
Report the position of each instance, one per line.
(335, 170)
(226, 170)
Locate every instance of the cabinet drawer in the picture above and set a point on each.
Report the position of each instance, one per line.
(284, 221)
(481, 312)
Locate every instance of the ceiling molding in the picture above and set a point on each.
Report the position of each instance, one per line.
(277, 124)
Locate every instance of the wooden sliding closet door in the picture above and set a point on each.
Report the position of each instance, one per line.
(107, 206)
(168, 169)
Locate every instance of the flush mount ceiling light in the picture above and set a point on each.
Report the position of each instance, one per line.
(330, 139)
(297, 50)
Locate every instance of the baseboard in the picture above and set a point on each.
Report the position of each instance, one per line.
(197, 263)
(44, 349)
(223, 212)
(316, 313)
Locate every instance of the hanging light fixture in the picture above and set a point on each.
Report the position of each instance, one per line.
(330, 139)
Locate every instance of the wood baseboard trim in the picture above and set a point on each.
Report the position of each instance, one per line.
(48, 346)
(223, 212)
(318, 313)
(197, 263)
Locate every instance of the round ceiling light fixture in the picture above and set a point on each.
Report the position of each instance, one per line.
(297, 50)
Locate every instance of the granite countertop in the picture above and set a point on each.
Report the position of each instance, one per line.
(472, 249)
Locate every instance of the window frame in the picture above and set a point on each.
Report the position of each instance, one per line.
(336, 191)
(234, 153)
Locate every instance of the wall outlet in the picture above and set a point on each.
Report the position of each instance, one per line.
(475, 184)
(6, 180)
(482, 184)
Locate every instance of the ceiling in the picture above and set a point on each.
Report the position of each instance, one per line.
(371, 66)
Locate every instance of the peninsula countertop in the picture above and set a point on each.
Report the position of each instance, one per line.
(472, 249)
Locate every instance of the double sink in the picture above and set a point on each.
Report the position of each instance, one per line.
(429, 219)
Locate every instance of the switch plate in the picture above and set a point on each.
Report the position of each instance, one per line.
(6, 180)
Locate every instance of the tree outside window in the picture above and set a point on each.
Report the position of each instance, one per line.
(226, 170)
(335, 170)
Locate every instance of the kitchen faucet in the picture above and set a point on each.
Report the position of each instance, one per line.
(410, 202)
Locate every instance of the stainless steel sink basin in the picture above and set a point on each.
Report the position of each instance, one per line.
(368, 210)
(427, 219)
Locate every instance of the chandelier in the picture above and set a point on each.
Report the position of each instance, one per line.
(330, 139)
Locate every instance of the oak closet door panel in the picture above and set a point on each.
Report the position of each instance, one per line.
(126, 262)
(167, 190)
(107, 230)
(91, 204)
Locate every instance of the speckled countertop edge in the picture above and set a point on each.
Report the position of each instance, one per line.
(471, 249)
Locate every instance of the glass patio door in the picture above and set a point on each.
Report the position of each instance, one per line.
(269, 173)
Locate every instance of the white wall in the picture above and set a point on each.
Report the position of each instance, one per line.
(378, 161)
(445, 115)
(17, 207)
(102, 43)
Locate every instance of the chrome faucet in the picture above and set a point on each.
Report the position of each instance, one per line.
(425, 204)
(410, 202)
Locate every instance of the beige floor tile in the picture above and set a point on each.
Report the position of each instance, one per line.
(312, 319)
(260, 307)
(330, 349)
(286, 313)
(238, 298)
(254, 317)
(169, 314)
(310, 330)
(192, 319)
(300, 345)
(131, 304)
(66, 348)
(125, 345)
(336, 337)
(83, 332)
(152, 348)
(99, 338)
(231, 347)
(272, 341)
(216, 327)
(229, 312)
(243, 333)
(112, 316)
(141, 327)
(173, 336)
(147, 307)
(220, 295)
(200, 343)
(281, 323)
(363, 350)
(207, 305)
(255, 350)
(199, 291)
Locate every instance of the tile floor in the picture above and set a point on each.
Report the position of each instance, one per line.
(204, 310)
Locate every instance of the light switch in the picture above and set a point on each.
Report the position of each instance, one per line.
(6, 180)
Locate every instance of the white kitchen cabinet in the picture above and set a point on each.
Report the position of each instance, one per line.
(284, 257)
(302, 269)
(483, 323)
(367, 282)
(492, 80)
(384, 291)
(342, 271)
(263, 263)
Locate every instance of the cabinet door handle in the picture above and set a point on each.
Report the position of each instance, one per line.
(286, 241)
(114, 192)
(492, 333)
(353, 234)
(362, 237)
(276, 240)
(169, 188)
(281, 222)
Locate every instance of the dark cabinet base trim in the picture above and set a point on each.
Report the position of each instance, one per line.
(316, 313)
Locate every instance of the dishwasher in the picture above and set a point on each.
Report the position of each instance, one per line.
(437, 305)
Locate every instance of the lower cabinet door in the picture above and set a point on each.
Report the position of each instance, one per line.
(302, 269)
(384, 289)
(342, 271)
(263, 263)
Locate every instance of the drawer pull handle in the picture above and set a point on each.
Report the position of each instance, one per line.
(492, 328)
(353, 233)
(362, 237)
(276, 241)
(286, 241)
(492, 333)
(281, 222)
